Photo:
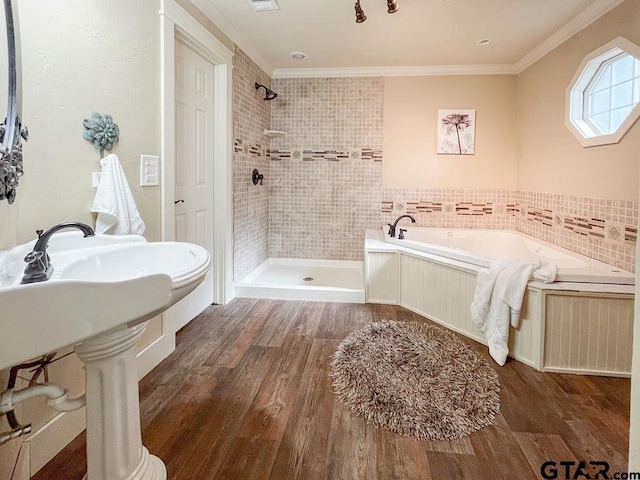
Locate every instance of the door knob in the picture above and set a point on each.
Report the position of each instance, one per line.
(178, 201)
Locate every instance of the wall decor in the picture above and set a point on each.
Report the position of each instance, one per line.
(456, 132)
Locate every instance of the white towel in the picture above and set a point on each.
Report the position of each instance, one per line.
(498, 299)
(116, 208)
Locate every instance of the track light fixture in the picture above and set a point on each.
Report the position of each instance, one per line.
(392, 7)
(360, 16)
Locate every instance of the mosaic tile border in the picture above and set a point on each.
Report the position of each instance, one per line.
(605, 230)
(544, 216)
(371, 154)
(253, 150)
(424, 207)
(469, 208)
(585, 226)
(462, 208)
(327, 154)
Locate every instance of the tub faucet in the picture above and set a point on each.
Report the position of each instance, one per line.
(39, 267)
(392, 228)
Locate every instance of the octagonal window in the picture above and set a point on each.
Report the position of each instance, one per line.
(603, 100)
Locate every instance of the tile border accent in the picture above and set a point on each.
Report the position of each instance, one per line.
(605, 230)
(326, 154)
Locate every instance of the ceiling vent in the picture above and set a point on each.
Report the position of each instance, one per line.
(262, 5)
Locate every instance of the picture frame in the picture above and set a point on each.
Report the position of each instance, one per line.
(456, 132)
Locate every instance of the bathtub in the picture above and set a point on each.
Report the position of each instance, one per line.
(305, 279)
(581, 323)
(479, 247)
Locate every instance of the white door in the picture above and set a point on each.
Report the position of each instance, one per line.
(193, 171)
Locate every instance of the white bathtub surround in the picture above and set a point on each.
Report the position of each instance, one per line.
(479, 247)
(564, 326)
(498, 299)
(300, 279)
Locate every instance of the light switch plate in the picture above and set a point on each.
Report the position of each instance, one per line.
(95, 179)
(149, 170)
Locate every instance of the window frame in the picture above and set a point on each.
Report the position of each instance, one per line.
(576, 95)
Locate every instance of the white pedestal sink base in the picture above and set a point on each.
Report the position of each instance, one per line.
(114, 441)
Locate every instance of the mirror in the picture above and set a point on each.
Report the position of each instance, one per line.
(12, 131)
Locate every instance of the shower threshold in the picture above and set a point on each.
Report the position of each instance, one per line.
(303, 279)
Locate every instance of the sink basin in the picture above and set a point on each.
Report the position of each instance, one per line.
(99, 284)
(101, 291)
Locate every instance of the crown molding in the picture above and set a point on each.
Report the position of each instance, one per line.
(568, 30)
(581, 21)
(229, 29)
(418, 71)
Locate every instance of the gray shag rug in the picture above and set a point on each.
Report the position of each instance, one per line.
(415, 379)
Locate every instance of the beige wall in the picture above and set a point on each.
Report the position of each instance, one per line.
(410, 128)
(551, 158)
(81, 56)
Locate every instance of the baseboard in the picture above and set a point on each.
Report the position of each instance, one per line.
(150, 356)
(56, 434)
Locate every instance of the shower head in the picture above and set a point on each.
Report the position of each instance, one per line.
(269, 94)
(392, 6)
(360, 16)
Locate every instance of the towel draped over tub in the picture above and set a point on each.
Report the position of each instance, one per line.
(498, 299)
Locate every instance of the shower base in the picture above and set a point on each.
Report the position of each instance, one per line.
(302, 279)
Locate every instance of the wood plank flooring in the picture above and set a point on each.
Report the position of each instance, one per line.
(247, 395)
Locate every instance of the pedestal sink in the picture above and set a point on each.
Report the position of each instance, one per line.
(98, 299)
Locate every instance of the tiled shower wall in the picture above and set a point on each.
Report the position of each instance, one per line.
(326, 171)
(326, 185)
(251, 116)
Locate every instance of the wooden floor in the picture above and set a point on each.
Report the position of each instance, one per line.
(247, 395)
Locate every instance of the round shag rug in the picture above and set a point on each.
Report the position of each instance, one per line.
(415, 379)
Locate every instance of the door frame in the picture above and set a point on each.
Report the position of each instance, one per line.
(176, 22)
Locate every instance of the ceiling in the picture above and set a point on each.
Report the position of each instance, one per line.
(423, 33)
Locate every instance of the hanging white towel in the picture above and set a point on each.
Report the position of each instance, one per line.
(116, 208)
(498, 299)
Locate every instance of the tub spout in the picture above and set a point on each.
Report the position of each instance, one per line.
(392, 228)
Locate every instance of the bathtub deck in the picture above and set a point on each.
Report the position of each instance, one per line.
(313, 280)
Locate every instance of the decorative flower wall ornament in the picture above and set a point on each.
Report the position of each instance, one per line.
(101, 131)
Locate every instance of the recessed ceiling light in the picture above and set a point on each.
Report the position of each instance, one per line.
(484, 41)
(299, 55)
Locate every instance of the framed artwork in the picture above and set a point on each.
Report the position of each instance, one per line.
(456, 132)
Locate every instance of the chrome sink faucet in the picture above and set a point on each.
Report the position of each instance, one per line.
(39, 267)
(392, 228)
